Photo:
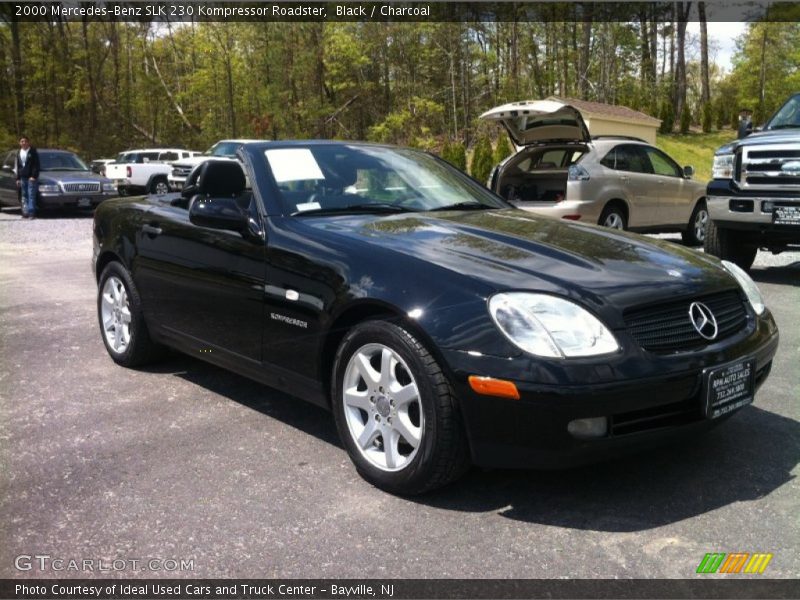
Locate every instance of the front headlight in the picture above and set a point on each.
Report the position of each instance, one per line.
(723, 166)
(748, 285)
(550, 326)
(109, 187)
(49, 188)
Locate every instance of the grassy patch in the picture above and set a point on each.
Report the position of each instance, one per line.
(696, 149)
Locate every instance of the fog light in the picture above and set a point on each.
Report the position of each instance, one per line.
(588, 428)
(767, 206)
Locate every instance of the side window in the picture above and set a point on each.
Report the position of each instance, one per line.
(610, 159)
(632, 158)
(663, 164)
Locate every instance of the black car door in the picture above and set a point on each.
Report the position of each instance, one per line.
(8, 181)
(202, 287)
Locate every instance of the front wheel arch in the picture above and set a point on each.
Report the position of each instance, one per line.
(432, 449)
(358, 313)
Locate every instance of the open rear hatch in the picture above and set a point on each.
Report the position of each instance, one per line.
(540, 122)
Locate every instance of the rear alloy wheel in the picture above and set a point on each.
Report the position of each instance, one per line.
(122, 325)
(160, 187)
(613, 218)
(728, 244)
(695, 233)
(395, 412)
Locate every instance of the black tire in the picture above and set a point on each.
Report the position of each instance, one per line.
(729, 244)
(441, 455)
(139, 348)
(695, 233)
(159, 186)
(613, 213)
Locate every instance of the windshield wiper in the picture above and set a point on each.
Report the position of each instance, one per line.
(368, 207)
(786, 126)
(463, 206)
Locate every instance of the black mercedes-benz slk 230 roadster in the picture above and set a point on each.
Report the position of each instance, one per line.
(441, 326)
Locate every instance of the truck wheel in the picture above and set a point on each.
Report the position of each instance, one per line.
(395, 411)
(728, 244)
(695, 233)
(159, 186)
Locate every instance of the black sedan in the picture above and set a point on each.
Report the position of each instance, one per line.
(440, 325)
(64, 181)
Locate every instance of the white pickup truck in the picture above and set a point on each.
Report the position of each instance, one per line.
(145, 171)
(222, 149)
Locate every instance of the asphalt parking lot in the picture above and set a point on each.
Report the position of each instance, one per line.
(187, 462)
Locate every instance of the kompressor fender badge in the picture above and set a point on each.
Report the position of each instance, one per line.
(289, 320)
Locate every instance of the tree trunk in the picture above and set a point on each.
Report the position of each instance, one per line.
(583, 57)
(680, 66)
(19, 81)
(706, 91)
(760, 116)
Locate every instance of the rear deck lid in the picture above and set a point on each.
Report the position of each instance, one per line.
(540, 122)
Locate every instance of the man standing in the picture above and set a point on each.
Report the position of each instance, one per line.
(27, 176)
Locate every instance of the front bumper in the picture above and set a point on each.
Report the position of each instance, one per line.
(731, 208)
(667, 402)
(54, 200)
(175, 185)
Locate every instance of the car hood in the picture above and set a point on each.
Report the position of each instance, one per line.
(540, 122)
(777, 136)
(512, 249)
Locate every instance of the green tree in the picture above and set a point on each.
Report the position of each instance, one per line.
(686, 120)
(502, 149)
(708, 117)
(482, 160)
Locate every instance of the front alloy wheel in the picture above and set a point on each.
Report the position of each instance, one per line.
(382, 407)
(395, 410)
(119, 311)
(115, 315)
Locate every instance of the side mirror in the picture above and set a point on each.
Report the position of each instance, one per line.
(688, 171)
(8, 168)
(218, 213)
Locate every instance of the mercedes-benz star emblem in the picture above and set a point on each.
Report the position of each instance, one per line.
(703, 320)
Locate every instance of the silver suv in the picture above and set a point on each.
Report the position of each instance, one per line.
(619, 182)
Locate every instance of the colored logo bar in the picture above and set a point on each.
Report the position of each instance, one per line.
(735, 562)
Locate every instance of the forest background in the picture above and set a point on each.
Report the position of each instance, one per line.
(102, 87)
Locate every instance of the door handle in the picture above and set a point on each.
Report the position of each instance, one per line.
(151, 229)
(624, 178)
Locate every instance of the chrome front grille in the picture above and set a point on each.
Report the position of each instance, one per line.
(667, 328)
(770, 167)
(181, 171)
(82, 187)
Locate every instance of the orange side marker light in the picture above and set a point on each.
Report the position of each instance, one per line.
(488, 386)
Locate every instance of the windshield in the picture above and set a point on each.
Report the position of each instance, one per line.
(223, 149)
(788, 117)
(61, 161)
(341, 178)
